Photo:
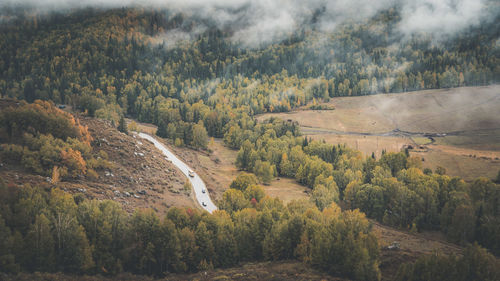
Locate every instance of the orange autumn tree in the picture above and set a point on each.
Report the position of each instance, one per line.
(73, 162)
(46, 140)
(42, 117)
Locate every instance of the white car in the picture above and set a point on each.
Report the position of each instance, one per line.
(203, 204)
(191, 173)
(204, 190)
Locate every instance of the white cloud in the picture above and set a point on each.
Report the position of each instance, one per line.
(440, 16)
(257, 22)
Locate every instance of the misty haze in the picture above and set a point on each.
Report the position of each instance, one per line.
(250, 140)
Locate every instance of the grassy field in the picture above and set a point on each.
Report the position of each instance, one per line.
(430, 111)
(468, 117)
(460, 163)
(487, 139)
(287, 189)
(421, 140)
(366, 144)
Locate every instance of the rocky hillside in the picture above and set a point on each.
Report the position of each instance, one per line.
(137, 177)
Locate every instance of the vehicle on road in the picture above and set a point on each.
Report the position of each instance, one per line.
(394, 246)
(200, 190)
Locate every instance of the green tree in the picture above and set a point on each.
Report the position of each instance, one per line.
(286, 167)
(7, 257)
(264, 171)
(243, 157)
(200, 136)
(323, 197)
(254, 192)
(243, 180)
(233, 200)
(204, 240)
(189, 249)
(122, 125)
(40, 245)
(168, 248)
(497, 180)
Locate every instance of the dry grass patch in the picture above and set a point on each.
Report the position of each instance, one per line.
(286, 189)
(458, 162)
(430, 111)
(468, 116)
(218, 170)
(488, 139)
(412, 246)
(366, 144)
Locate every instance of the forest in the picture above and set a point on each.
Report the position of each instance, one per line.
(393, 189)
(110, 64)
(52, 231)
(49, 230)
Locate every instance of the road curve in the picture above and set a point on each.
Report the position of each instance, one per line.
(196, 182)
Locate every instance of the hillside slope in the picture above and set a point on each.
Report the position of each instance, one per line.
(136, 167)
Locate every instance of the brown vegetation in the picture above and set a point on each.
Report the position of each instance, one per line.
(283, 270)
(133, 167)
(412, 246)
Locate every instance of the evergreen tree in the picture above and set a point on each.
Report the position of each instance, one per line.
(122, 125)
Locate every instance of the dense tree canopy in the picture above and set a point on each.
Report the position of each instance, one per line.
(48, 231)
(108, 64)
(392, 190)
